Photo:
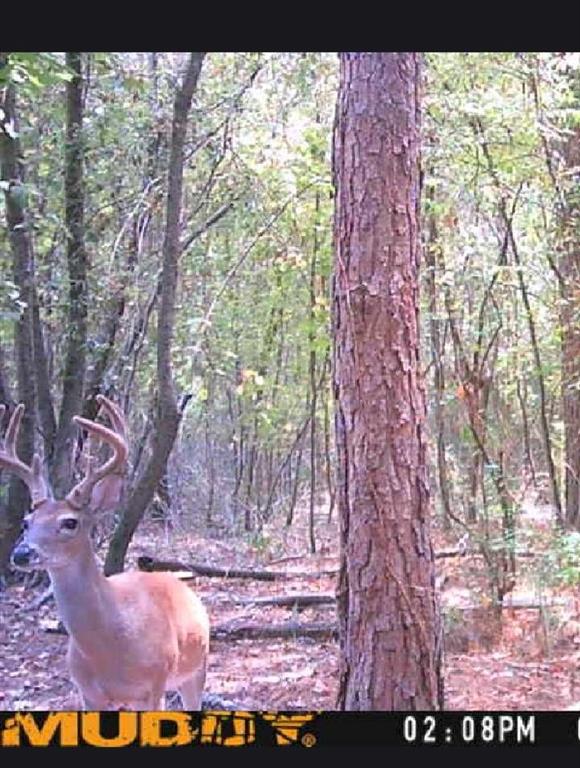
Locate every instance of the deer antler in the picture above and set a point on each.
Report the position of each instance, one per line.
(80, 496)
(31, 475)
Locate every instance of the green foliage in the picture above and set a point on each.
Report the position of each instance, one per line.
(492, 133)
(562, 564)
(34, 71)
(246, 323)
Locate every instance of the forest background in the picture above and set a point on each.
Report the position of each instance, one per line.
(231, 411)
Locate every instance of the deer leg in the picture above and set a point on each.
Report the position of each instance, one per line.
(157, 703)
(95, 703)
(191, 690)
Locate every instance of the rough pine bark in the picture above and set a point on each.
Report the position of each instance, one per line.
(388, 613)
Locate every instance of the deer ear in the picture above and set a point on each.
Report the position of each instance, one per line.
(107, 494)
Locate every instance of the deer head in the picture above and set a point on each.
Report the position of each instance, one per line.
(55, 530)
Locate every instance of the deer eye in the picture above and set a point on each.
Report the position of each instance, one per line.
(70, 523)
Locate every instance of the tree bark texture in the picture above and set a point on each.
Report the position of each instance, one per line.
(389, 618)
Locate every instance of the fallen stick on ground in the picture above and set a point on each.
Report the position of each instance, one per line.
(191, 570)
(146, 563)
(236, 630)
(299, 601)
(241, 628)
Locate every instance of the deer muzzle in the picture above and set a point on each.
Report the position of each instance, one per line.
(24, 557)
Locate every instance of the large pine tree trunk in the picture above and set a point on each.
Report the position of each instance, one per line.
(389, 620)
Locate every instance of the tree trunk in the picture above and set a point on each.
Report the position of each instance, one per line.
(507, 220)
(389, 618)
(168, 415)
(432, 254)
(295, 486)
(570, 271)
(46, 414)
(5, 393)
(568, 276)
(75, 363)
(521, 394)
(328, 462)
(312, 374)
(544, 418)
(23, 272)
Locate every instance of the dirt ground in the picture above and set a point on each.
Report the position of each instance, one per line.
(528, 662)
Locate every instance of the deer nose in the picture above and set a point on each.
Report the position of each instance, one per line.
(21, 555)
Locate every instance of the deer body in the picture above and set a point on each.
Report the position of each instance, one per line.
(157, 627)
(132, 636)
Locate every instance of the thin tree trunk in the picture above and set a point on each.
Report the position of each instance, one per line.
(567, 273)
(529, 459)
(296, 485)
(168, 415)
(327, 456)
(43, 382)
(282, 466)
(234, 442)
(61, 468)
(437, 350)
(209, 451)
(510, 239)
(570, 270)
(161, 506)
(250, 463)
(23, 273)
(545, 427)
(312, 373)
(390, 633)
(5, 393)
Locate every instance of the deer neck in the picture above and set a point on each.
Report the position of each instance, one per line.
(85, 602)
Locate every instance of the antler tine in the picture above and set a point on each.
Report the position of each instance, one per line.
(30, 475)
(80, 495)
(13, 429)
(114, 413)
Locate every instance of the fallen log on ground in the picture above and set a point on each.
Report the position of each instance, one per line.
(465, 552)
(298, 601)
(146, 563)
(318, 599)
(239, 629)
(191, 570)
(236, 630)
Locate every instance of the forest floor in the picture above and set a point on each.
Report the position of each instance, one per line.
(530, 660)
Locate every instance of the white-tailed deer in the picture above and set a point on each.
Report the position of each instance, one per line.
(134, 635)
